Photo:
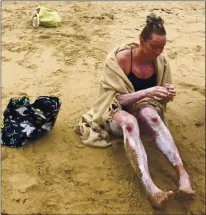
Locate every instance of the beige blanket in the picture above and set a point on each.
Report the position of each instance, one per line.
(94, 126)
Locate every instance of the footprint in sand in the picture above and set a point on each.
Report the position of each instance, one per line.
(172, 55)
(22, 182)
(5, 59)
(17, 46)
(27, 64)
(52, 201)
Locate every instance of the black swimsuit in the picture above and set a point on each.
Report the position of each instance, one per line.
(140, 83)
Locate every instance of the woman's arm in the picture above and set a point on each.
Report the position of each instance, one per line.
(127, 99)
(158, 93)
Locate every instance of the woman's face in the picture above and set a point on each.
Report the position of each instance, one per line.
(152, 48)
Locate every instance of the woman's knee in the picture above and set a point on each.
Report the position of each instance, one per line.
(125, 121)
(129, 122)
(149, 114)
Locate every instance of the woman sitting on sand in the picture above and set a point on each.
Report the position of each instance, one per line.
(134, 90)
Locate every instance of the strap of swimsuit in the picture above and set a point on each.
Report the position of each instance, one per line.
(131, 62)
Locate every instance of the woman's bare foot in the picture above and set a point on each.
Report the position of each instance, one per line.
(185, 188)
(160, 199)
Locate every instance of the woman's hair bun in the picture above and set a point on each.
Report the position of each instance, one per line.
(154, 26)
(155, 20)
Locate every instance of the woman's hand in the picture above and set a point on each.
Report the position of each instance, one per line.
(171, 90)
(158, 93)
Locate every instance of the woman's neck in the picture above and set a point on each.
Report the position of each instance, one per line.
(140, 57)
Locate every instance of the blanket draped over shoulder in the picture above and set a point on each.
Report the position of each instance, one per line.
(94, 125)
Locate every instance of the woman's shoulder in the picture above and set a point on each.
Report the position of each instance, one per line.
(123, 55)
(124, 59)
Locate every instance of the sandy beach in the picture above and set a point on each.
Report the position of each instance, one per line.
(58, 174)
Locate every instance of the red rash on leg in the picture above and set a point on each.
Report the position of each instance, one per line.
(129, 128)
(154, 119)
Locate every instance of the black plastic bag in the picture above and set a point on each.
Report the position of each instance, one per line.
(24, 121)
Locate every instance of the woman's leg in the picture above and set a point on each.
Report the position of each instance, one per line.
(166, 144)
(127, 123)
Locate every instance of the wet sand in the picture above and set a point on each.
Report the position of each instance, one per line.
(57, 174)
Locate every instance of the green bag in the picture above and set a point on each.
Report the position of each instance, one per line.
(46, 17)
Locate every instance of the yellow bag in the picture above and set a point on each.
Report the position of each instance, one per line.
(46, 17)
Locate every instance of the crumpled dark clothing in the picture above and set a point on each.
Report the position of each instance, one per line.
(24, 121)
